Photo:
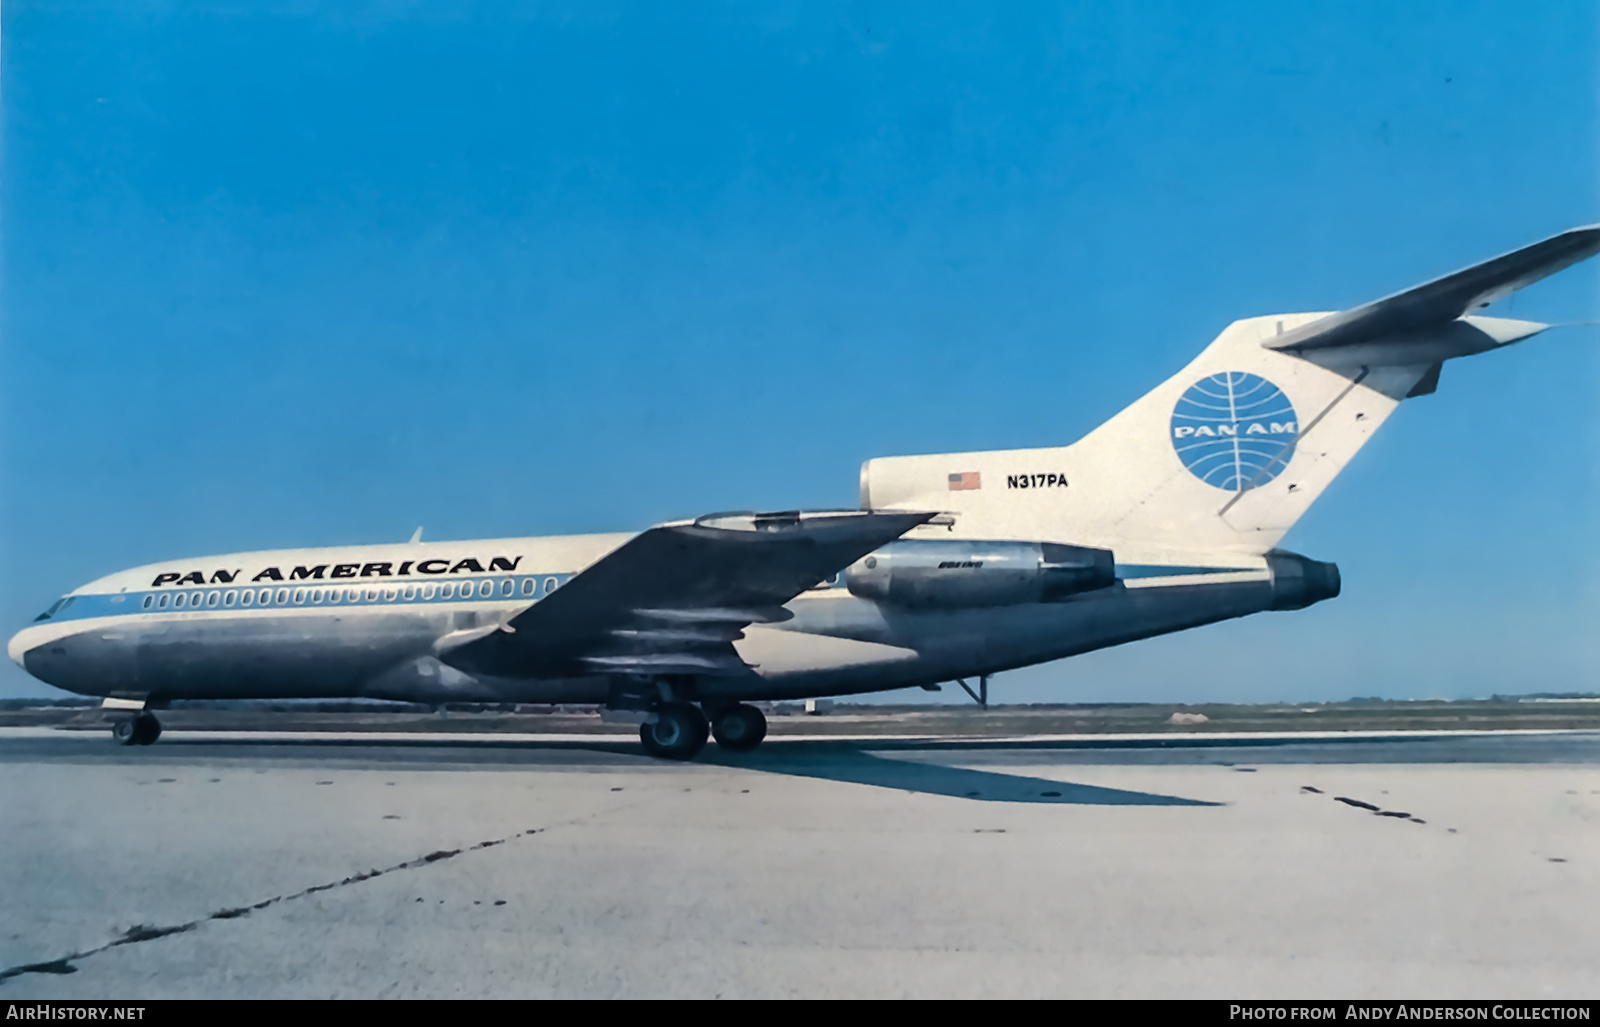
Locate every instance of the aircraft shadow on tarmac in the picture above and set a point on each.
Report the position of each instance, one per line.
(829, 761)
(931, 779)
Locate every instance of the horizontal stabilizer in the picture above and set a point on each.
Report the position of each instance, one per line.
(1435, 304)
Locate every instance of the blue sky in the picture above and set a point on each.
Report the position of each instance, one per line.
(283, 275)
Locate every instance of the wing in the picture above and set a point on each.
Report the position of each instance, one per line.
(1437, 303)
(673, 599)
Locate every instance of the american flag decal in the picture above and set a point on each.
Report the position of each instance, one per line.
(963, 482)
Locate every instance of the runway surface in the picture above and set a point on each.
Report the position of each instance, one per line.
(231, 864)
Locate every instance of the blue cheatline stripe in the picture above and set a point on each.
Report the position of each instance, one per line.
(525, 588)
(1161, 570)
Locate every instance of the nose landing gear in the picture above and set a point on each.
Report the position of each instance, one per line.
(139, 729)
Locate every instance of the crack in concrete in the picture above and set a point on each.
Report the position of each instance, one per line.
(148, 932)
(1377, 811)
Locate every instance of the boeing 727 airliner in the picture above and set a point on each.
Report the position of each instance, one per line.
(957, 565)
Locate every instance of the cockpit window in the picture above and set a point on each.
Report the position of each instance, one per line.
(55, 608)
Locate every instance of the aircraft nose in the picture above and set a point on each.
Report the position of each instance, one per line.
(17, 647)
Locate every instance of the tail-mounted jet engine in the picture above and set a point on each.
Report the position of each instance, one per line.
(1298, 582)
(966, 573)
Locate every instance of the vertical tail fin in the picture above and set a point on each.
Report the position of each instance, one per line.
(1226, 455)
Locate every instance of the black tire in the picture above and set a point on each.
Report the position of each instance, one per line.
(740, 728)
(146, 729)
(679, 732)
(125, 731)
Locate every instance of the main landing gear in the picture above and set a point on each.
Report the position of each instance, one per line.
(739, 728)
(139, 729)
(679, 730)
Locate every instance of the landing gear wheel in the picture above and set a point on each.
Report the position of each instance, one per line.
(740, 728)
(139, 729)
(146, 729)
(679, 732)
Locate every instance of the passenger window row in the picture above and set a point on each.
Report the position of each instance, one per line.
(483, 588)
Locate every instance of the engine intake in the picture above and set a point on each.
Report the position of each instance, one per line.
(976, 573)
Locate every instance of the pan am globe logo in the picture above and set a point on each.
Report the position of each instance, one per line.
(1234, 430)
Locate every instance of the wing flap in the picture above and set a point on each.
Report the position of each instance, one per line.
(673, 599)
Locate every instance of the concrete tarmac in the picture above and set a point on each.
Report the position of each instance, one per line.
(307, 867)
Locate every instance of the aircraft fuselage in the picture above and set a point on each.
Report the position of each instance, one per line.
(368, 622)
